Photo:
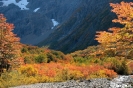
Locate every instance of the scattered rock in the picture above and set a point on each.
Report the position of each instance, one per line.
(118, 82)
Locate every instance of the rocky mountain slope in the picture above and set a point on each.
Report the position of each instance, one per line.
(65, 25)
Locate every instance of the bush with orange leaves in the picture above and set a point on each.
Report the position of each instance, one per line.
(53, 72)
(63, 72)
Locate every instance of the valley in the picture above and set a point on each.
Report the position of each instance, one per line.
(70, 43)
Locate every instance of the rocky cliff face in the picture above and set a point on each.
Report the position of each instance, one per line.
(79, 31)
(78, 21)
(33, 21)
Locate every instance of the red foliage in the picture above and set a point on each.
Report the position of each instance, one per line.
(110, 73)
(54, 69)
(50, 73)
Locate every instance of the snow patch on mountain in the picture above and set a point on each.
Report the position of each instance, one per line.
(55, 23)
(36, 9)
(21, 4)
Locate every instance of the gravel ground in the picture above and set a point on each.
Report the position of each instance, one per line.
(119, 82)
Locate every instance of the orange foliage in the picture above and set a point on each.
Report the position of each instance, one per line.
(131, 66)
(104, 37)
(46, 51)
(120, 39)
(50, 73)
(9, 44)
(110, 73)
(124, 12)
(73, 71)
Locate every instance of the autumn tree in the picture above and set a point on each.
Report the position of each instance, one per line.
(119, 40)
(9, 43)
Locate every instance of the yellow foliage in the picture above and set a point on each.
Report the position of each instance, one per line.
(99, 74)
(28, 70)
(76, 75)
(44, 79)
(30, 80)
(2, 83)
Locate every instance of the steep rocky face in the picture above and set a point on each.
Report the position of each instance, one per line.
(33, 19)
(78, 21)
(79, 31)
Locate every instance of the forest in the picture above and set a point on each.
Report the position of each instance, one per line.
(22, 64)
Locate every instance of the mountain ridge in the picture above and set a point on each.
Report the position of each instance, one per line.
(83, 34)
(78, 22)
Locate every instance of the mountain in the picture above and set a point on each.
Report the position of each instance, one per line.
(65, 25)
(33, 19)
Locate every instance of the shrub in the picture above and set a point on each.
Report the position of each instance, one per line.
(64, 75)
(44, 79)
(30, 80)
(98, 74)
(58, 54)
(124, 69)
(81, 60)
(109, 53)
(51, 57)
(42, 58)
(24, 50)
(119, 65)
(14, 78)
(76, 75)
(3, 83)
(28, 70)
(27, 60)
(110, 73)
